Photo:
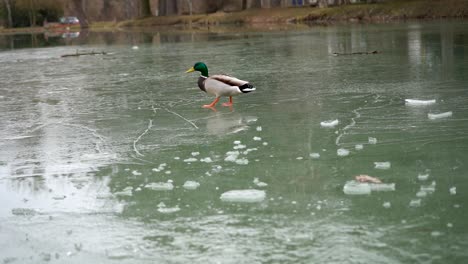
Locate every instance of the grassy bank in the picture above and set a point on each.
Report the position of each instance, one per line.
(387, 11)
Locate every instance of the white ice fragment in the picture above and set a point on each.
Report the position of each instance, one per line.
(189, 160)
(438, 116)
(416, 102)
(329, 123)
(237, 142)
(168, 172)
(136, 173)
(259, 128)
(386, 204)
(428, 188)
(232, 156)
(423, 177)
(436, 233)
(160, 186)
(356, 188)
(243, 196)
(156, 170)
(177, 158)
(342, 152)
(299, 158)
(372, 140)
(382, 187)
(206, 160)
(421, 194)
(453, 190)
(359, 147)
(449, 225)
(191, 185)
(314, 155)
(415, 203)
(259, 183)
(135, 47)
(265, 143)
(125, 192)
(168, 210)
(240, 146)
(242, 161)
(382, 165)
(195, 154)
(257, 138)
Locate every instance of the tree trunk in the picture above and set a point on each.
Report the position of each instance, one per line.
(8, 8)
(78, 7)
(323, 3)
(145, 8)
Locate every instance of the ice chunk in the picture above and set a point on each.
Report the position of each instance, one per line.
(359, 147)
(177, 158)
(259, 183)
(382, 187)
(125, 192)
(160, 186)
(300, 158)
(206, 160)
(243, 196)
(189, 160)
(438, 116)
(23, 211)
(191, 185)
(135, 47)
(382, 165)
(436, 233)
(372, 140)
(314, 155)
(416, 102)
(329, 123)
(195, 153)
(232, 156)
(259, 128)
(423, 177)
(429, 188)
(240, 146)
(257, 138)
(342, 152)
(168, 210)
(237, 142)
(136, 173)
(356, 188)
(386, 204)
(421, 194)
(265, 143)
(242, 161)
(453, 190)
(415, 203)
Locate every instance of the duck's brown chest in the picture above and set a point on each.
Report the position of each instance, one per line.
(201, 83)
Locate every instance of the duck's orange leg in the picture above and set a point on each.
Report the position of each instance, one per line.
(212, 103)
(228, 103)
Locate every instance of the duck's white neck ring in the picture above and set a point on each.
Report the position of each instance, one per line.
(203, 76)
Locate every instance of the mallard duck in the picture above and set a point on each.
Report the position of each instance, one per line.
(220, 85)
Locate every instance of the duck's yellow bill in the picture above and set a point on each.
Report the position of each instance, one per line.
(190, 70)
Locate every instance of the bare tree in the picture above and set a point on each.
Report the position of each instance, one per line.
(190, 5)
(8, 8)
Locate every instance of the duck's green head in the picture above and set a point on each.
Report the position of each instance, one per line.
(201, 67)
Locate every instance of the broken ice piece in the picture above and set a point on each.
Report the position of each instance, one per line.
(386, 204)
(438, 116)
(453, 190)
(423, 177)
(382, 187)
(160, 186)
(329, 123)
(416, 102)
(372, 140)
(356, 188)
(415, 203)
(359, 147)
(259, 183)
(382, 165)
(191, 185)
(342, 152)
(259, 128)
(243, 196)
(314, 155)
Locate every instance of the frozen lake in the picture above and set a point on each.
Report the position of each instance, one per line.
(111, 159)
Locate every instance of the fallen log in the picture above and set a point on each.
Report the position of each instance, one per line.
(355, 53)
(83, 54)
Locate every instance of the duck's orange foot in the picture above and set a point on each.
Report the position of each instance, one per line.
(227, 104)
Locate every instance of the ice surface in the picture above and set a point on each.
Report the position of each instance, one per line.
(259, 183)
(356, 188)
(382, 165)
(429, 188)
(453, 190)
(191, 185)
(359, 147)
(423, 177)
(382, 187)
(23, 211)
(314, 155)
(372, 140)
(59, 197)
(160, 186)
(342, 152)
(329, 123)
(243, 196)
(416, 102)
(438, 116)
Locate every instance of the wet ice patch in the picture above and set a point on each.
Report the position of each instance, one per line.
(342, 152)
(382, 165)
(417, 102)
(243, 196)
(160, 186)
(329, 123)
(439, 116)
(191, 185)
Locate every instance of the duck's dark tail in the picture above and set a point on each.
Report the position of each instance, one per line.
(247, 88)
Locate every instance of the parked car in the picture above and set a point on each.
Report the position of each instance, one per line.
(69, 21)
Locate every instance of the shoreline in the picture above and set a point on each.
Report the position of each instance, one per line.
(284, 18)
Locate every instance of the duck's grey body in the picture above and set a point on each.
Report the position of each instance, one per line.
(223, 85)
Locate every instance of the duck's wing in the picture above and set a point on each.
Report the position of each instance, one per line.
(223, 85)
